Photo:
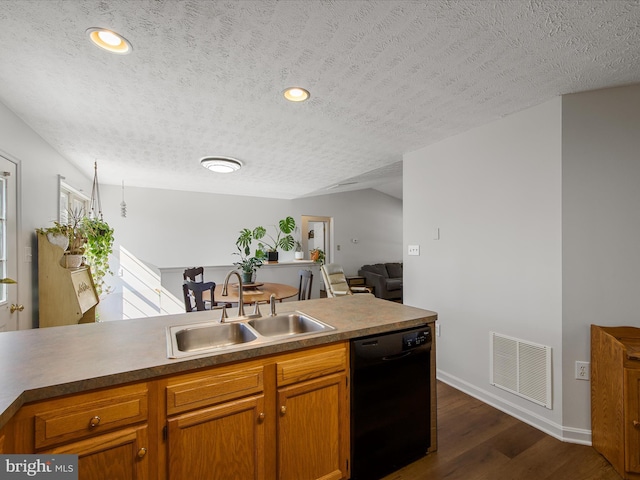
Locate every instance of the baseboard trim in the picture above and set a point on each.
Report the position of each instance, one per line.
(564, 434)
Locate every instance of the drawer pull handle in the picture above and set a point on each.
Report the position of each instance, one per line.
(636, 424)
(142, 452)
(261, 417)
(94, 422)
(283, 409)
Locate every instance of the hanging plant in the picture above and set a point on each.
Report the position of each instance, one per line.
(99, 246)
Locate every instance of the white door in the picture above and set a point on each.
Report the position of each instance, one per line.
(9, 308)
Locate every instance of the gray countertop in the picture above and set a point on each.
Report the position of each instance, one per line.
(44, 363)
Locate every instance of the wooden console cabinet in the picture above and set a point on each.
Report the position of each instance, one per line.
(66, 296)
(615, 397)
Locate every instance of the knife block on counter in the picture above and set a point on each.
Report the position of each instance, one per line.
(67, 296)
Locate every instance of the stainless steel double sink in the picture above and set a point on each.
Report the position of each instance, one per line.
(205, 337)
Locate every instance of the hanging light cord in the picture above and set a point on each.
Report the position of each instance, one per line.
(95, 194)
(123, 204)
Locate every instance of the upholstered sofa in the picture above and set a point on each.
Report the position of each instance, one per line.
(386, 278)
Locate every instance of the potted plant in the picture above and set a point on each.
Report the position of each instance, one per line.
(83, 236)
(99, 245)
(317, 255)
(77, 239)
(70, 237)
(247, 264)
(269, 245)
(299, 254)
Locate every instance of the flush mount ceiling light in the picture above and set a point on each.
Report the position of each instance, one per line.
(221, 164)
(296, 94)
(108, 40)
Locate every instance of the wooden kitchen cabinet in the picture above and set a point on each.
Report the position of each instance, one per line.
(279, 417)
(216, 423)
(219, 443)
(313, 406)
(3, 441)
(284, 416)
(106, 428)
(121, 454)
(615, 397)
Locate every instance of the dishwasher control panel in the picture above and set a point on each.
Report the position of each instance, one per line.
(416, 338)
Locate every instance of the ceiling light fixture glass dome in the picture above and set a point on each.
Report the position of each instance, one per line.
(110, 41)
(221, 164)
(296, 94)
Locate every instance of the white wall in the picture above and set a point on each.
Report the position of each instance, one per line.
(39, 167)
(495, 194)
(601, 226)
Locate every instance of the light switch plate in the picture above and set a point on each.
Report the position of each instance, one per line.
(413, 250)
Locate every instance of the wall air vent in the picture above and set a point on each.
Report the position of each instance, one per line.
(522, 368)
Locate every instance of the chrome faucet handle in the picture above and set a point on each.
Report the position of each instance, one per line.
(272, 305)
(256, 310)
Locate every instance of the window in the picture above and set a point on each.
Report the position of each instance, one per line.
(71, 200)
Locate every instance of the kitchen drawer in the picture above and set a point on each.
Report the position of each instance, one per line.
(81, 416)
(301, 366)
(214, 386)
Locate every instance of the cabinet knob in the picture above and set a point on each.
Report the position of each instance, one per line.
(142, 452)
(94, 422)
(261, 417)
(636, 424)
(283, 409)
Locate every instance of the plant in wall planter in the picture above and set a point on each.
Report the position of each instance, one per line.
(247, 264)
(269, 244)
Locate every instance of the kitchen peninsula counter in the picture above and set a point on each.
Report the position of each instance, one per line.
(45, 363)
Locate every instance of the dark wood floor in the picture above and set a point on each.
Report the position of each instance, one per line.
(478, 442)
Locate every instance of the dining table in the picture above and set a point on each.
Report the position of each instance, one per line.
(253, 292)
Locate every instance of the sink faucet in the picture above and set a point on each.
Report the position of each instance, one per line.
(272, 305)
(240, 295)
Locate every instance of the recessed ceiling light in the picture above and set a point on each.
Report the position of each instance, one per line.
(221, 164)
(296, 94)
(108, 40)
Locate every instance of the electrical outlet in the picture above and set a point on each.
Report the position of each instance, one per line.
(582, 370)
(413, 250)
(437, 329)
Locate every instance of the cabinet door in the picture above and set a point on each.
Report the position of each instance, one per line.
(118, 455)
(218, 443)
(632, 421)
(313, 429)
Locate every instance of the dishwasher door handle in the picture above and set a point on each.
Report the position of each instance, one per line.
(397, 356)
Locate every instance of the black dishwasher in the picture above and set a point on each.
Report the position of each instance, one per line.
(390, 401)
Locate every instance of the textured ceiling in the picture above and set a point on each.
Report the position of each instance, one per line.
(205, 78)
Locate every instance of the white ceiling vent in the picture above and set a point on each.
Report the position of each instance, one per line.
(522, 368)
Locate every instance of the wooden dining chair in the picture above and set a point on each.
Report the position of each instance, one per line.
(306, 280)
(193, 274)
(193, 300)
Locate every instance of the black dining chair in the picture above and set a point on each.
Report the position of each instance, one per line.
(193, 274)
(306, 280)
(193, 300)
